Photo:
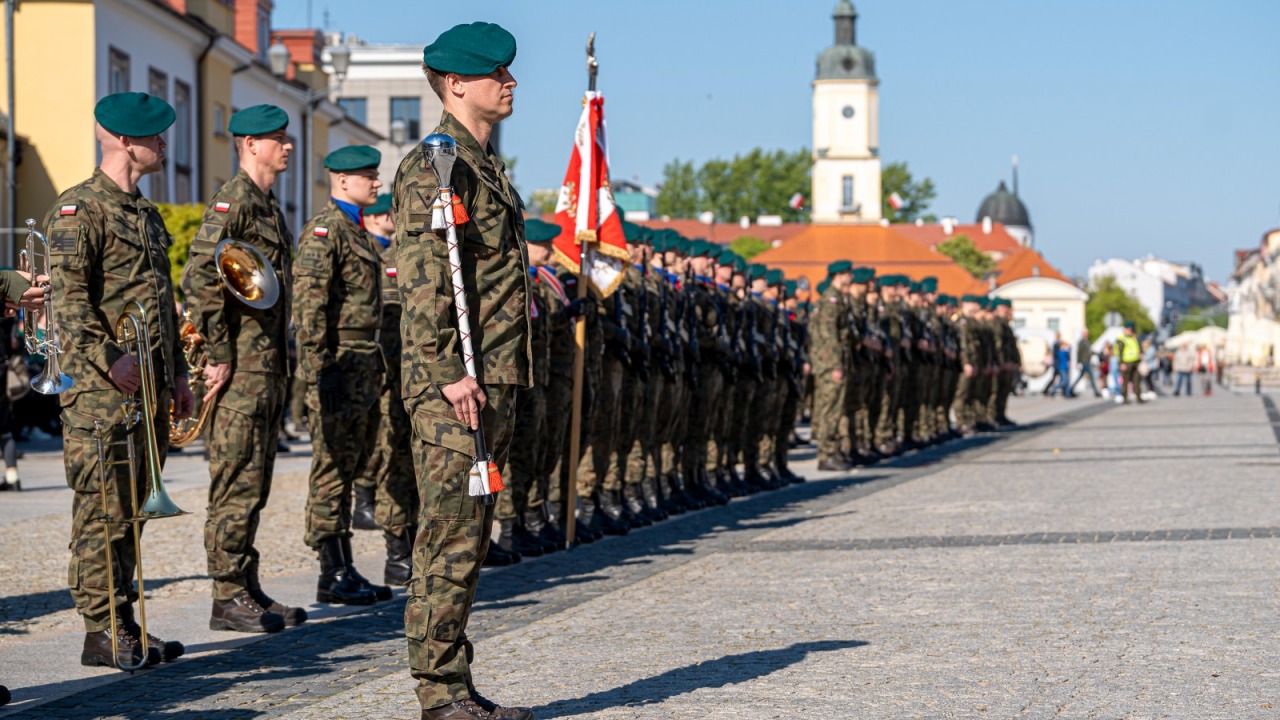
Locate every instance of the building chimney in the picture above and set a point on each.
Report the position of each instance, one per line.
(986, 225)
(744, 222)
(948, 225)
(919, 222)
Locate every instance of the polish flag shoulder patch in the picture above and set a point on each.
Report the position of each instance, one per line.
(322, 232)
(391, 272)
(222, 207)
(66, 210)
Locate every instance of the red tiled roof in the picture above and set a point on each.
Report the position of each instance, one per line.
(1026, 263)
(998, 242)
(725, 233)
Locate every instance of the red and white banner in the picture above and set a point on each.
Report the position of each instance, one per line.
(896, 202)
(590, 222)
(797, 201)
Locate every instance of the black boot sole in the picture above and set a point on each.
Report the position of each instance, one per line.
(220, 624)
(323, 596)
(92, 660)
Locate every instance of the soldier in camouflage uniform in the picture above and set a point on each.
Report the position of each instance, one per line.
(793, 366)
(643, 459)
(109, 248)
(337, 296)
(247, 370)
(1010, 362)
(726, 444)
(829, 349)
(467, 68)
(970, 363)
(388, 469)
(863, 368)
(709, 333)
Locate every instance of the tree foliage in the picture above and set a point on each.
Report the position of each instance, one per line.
(967, 255)
(544, 201)
(758, 183)
(1106, 296)
(916, 196)
(182, 221)
(1200, 317)
(748, 246)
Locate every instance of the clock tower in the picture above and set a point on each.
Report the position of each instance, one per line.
(846, 129)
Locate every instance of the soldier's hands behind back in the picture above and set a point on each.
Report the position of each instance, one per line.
(574, 309)
(183, 401)
(329, 384)
(124, 374)
(467, 398)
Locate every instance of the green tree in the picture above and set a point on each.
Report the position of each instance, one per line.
(182, 221)
(1200, 317)
(961, 249)
(748, 246)
(678, 196)
(544, 200)
(757, 183)
(1106, 296)
(917, 196)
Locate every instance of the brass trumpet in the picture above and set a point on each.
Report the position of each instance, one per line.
(248, 276)
(139, 414)
(42, 342)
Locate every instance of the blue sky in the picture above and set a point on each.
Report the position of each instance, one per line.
(1141, 126)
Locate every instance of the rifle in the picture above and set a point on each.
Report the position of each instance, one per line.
(665, 347)
(620, 344)
(770, 367)
(747, 330)
(728, 364)
(640, 355)
(692, 356)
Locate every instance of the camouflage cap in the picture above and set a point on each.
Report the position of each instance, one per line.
(537, 231)
(353, 157)
(134, 114)
(475, 49)
(258, 120)
(380, 206)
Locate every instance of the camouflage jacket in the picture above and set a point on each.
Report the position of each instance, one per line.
(829, 333)
(389, 332)
(970, 343)
(1011, 352)
(12, 285)
(494, 268)
(108, 248)
(560, 342)
(541, 307)
(337, 290)
(249, 339)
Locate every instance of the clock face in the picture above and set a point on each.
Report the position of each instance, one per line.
(847, 111)
(848, 62)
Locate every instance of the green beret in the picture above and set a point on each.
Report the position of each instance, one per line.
(475, 49)
(913, 288)
(971, 299)
(822, 286)
(704, 248)
(353, 157)
(537, 231)
(889, 280)
(775, 277)
(792, 287)
(864, 275)
(659, 241)
(948, 300)
(631, 232)
(984, 302)
(134, 114)
(839, 266)
(258, 120)
(756, 270)
(727, 257)
(929, 285)
(681, 245)
(380, 206)
(740, 265)
(1131, 325)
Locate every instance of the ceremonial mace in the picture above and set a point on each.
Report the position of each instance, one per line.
(441, 152)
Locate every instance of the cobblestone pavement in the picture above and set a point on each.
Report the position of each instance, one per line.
(1105, 562)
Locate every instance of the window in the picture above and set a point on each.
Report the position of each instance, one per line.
(408, 109)
(357, 108)
(846, 193)
(219, 120)
(183, 150)
(320, 174)
(1019, 323)
(264, 32)
(158, 85)
(117, 71)
(1054, 324)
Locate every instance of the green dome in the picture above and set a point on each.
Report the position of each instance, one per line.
(844, 60)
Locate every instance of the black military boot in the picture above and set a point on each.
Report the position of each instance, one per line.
(673, 503)
(548, 526)
(362, 513)
(585, 525)
(380, 592)
(652, 500)
(97, 650)
(336, 586)
(610, 515)
(293, 616)
(525, 542)
(169, 650)
(242, 613)
(634, 505)
(399, 565)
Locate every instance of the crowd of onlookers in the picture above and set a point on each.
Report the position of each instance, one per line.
(1186, 369)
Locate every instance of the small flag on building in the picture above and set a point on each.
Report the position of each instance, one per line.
(896, 202)
(797, 201)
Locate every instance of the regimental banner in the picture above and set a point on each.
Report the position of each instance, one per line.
(590, 221)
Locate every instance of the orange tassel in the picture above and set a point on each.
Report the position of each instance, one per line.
(495, 479)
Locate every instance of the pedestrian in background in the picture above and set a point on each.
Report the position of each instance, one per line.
(1184, 363)
(1129, 357)
(1149, 366)
(1206, 368)
(1084, 359)
(1062, 368)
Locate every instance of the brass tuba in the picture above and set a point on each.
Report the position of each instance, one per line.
(248, 276)
(139, 414)
(42, 342)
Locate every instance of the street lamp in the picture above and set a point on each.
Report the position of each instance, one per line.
(278, 58)
(399, 132)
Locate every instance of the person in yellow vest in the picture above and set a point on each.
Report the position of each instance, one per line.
(1129, 353)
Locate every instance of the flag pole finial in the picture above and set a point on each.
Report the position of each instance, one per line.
(593, 67)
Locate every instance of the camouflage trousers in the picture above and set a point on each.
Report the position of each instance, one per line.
(595, 471)
(528, 446)
(559, 405)
(631, 401)
(829, 407)
(742, 392)
(769, 410)
(639, 457)
(241, 436)
(87, 571)
(702, 411)
(890, 392)
(389, 465)
(341, 441)
(671, 420)
(791, 393)
(963, 404)
(453, 537)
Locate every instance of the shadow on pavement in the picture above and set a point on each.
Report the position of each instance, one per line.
(718, 673)
(20, 608)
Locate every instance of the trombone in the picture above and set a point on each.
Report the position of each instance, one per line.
(139, 415)
(42, 342)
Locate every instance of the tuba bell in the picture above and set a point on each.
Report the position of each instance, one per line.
(139, 413)
(248, 276)
(42, 341)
